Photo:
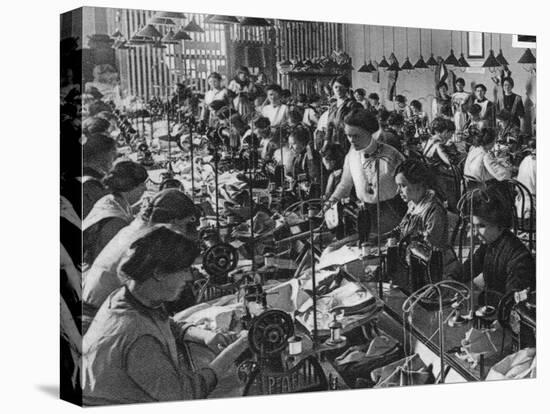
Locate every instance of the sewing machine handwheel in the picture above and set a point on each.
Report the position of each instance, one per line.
(269, 332)
(220, 259)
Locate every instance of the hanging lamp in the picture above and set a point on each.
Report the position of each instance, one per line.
(491, 62)
(383, 63)
(451, 59)
(370, 66)
(420, 64)
(169, 37)
(364, 68)
(462, 62)
(407, 64)
(182, 35)
(219, 19)
(149, 31)
(500, 57)
(255, 21)
(431, 61)
(171, 15)
(192, 26)
(528, 61)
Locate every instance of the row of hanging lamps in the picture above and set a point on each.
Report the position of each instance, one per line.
(462, 62)
(383, 63)
(500, 57)
(451, 59)
(407, 64)
(431, 61)
(364, 68)
(491, 62)
(420, 64)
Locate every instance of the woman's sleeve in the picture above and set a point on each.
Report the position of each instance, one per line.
(152, 370)
(442, 155)
(436, 227)
(497, 170)
(346, 183)
(479, 257)
(108, 231)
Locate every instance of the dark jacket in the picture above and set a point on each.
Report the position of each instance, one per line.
(506, 264)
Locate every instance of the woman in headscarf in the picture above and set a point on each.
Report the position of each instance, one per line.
(170, 208)
(125, 184)
(130, 352)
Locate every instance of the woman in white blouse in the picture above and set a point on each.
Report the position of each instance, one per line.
(481, 164)
(216, 93)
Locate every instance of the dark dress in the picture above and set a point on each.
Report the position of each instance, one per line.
(308, 166)
(335, 122)
(513, 104)
(506, 265)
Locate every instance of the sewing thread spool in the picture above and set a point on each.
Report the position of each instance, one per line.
(294, 345)
(335, 331)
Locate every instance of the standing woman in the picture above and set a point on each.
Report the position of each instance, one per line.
(216, 93)
(337, 111)
(512, 102)
(243, 89)
(125, 185)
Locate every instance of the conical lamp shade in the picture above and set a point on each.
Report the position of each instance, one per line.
(149, 31)
(394, 65)
(431, 61)
(462, 62)
(255, 21)
(364, 68)
(407, 65)
(219, 19)
(451, 59)
(169, 37)
(171, 15)
(528, 58)
(347, 66)
(501, 59)
(192, 26)
(371, 67)
(181, 35)
(163, 21)
(117, 33)
(421, 64)
(491, 61)
(383, 63)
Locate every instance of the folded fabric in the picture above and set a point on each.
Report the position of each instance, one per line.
(521, 364)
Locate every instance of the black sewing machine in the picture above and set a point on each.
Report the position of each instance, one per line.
(270, 370)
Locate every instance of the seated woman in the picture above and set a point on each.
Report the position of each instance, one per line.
(435, 149)
(481, 164)
(502, 258)
(130, 352)
(307, 162)
(171, 208)
(125, 185)
(390, 132)
(216, 93)
(333, 161)
(426, 217)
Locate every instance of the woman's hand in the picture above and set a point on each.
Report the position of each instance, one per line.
(223, 361)
(218, 341)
